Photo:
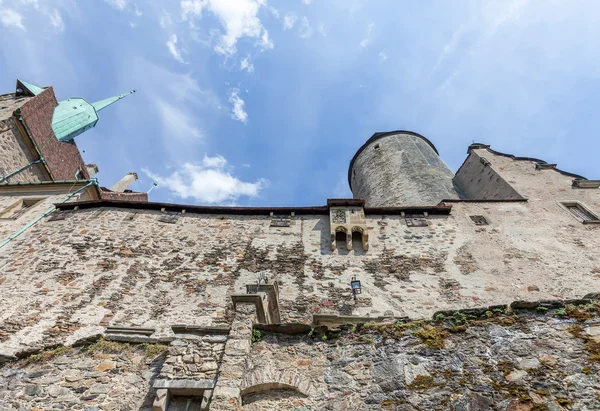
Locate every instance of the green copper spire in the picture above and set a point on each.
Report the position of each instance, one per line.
(75, 116)
(28, 88)
(99, 105)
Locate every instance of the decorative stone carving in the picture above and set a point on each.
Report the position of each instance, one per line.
(338, 216)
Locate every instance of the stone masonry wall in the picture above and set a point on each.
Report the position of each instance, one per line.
(62, 280)
(14, 153)
(508, 362)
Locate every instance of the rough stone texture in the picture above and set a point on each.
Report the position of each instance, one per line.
(533, 363)
(477, 179)
(403, 171)
(122, 267)
(14, 153)
(119, 378)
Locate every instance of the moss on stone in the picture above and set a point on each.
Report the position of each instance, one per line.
(154, 350)
(432, 337)
(103, 346)
(423, 382)
(47, 355)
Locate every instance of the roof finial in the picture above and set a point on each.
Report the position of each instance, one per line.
(99, 105)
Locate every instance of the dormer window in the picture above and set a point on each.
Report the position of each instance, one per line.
(580, 212)
(19, 208)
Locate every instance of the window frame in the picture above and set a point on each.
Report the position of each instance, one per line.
(583, 208)
(8, 212)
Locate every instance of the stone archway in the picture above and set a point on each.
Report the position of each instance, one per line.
(268, 380)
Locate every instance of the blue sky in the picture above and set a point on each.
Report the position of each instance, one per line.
(264, 102)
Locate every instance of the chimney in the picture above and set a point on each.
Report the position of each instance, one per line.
(125, 182)
(92, 169)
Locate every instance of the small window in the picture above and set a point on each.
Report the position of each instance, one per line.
(415, 220)
(170, 217)
(281, 221)
(19, 208)
(580, 212)
(58, 215)
(479, 220)
(376, 146)
(130, 216)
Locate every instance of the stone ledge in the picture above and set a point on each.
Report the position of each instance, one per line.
(521, 305)
(138, 339)
(333, 319)
(130, 330)
(184, 385)
(287, 328)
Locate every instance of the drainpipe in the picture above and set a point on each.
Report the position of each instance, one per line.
(41, 160)
(93, 181)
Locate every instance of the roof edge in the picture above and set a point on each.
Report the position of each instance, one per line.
(313, 210)
(475, 146)
(380, 135)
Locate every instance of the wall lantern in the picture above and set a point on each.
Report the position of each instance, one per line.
(355, 284)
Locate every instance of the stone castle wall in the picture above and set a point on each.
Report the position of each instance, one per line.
(65, 281)
(123, 267)
(14, 152)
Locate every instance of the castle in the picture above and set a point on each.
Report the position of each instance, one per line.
(427, 290)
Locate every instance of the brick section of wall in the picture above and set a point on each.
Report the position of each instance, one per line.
(62, 158)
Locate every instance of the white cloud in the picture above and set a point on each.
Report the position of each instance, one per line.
(289, 20)
(237, 110)
(138, 12)
(9, 17)
(239, 18)
(322, 30)
(450, 47)
(176, 122)
(307, 2)
(119, 4)
(365, 42)
(56, 20)
(247, 65)
(165, 20)
(175, 52)
(34, 3)
(306, 29)
(211, 182)
(383, 55)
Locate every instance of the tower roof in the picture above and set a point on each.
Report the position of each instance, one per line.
(75, 115)
(28, 88)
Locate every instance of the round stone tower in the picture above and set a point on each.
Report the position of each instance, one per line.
(400, 168)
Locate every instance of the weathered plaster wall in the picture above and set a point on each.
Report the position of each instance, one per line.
(65, 279)
(400, 170)
(478, 180)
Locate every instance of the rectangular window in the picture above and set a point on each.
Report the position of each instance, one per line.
(280, 221)
(19, 208)
(580, 212)
(479, 220)
(170, 217)
(415, 220)
(58, 215)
